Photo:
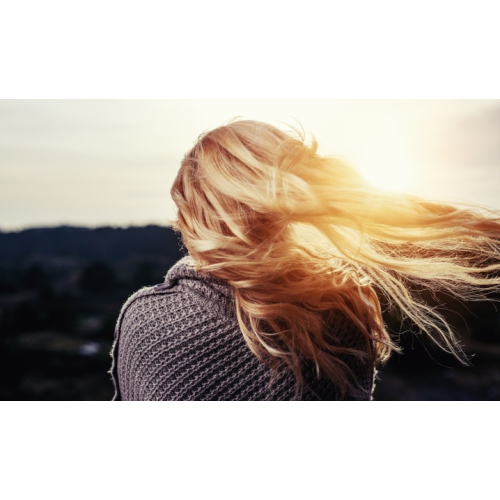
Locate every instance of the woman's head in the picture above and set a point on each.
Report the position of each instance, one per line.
(222, 188)
(243, 183)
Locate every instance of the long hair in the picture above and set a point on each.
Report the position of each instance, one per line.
(297, 234)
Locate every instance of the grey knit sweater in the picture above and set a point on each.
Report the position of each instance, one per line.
(181, 341)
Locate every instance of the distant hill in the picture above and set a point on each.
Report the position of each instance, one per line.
(61, 290)
(104, 244)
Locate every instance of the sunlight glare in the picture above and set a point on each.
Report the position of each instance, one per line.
(388, 165)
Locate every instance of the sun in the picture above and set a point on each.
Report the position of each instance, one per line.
(387, 165)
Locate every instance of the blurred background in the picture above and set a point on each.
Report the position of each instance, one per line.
(84, 207)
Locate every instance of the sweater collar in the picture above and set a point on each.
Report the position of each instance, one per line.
(185, 269)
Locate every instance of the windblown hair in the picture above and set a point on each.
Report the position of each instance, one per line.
(297, 234)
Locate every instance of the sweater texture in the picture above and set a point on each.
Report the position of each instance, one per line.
(180, 340)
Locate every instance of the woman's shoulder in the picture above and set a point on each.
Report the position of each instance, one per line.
(171, 337)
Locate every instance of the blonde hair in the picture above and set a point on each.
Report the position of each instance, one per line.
(296, 234)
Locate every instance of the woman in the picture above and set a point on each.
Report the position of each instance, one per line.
(290, 256)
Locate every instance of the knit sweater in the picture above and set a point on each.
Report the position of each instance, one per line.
(180, 340)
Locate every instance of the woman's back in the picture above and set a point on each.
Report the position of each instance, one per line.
(181, 341)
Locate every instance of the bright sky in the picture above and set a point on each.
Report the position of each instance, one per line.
(100, 162)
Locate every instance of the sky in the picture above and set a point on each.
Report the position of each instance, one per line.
(112, 162)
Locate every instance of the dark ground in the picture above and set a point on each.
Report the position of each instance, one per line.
(61, 290)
